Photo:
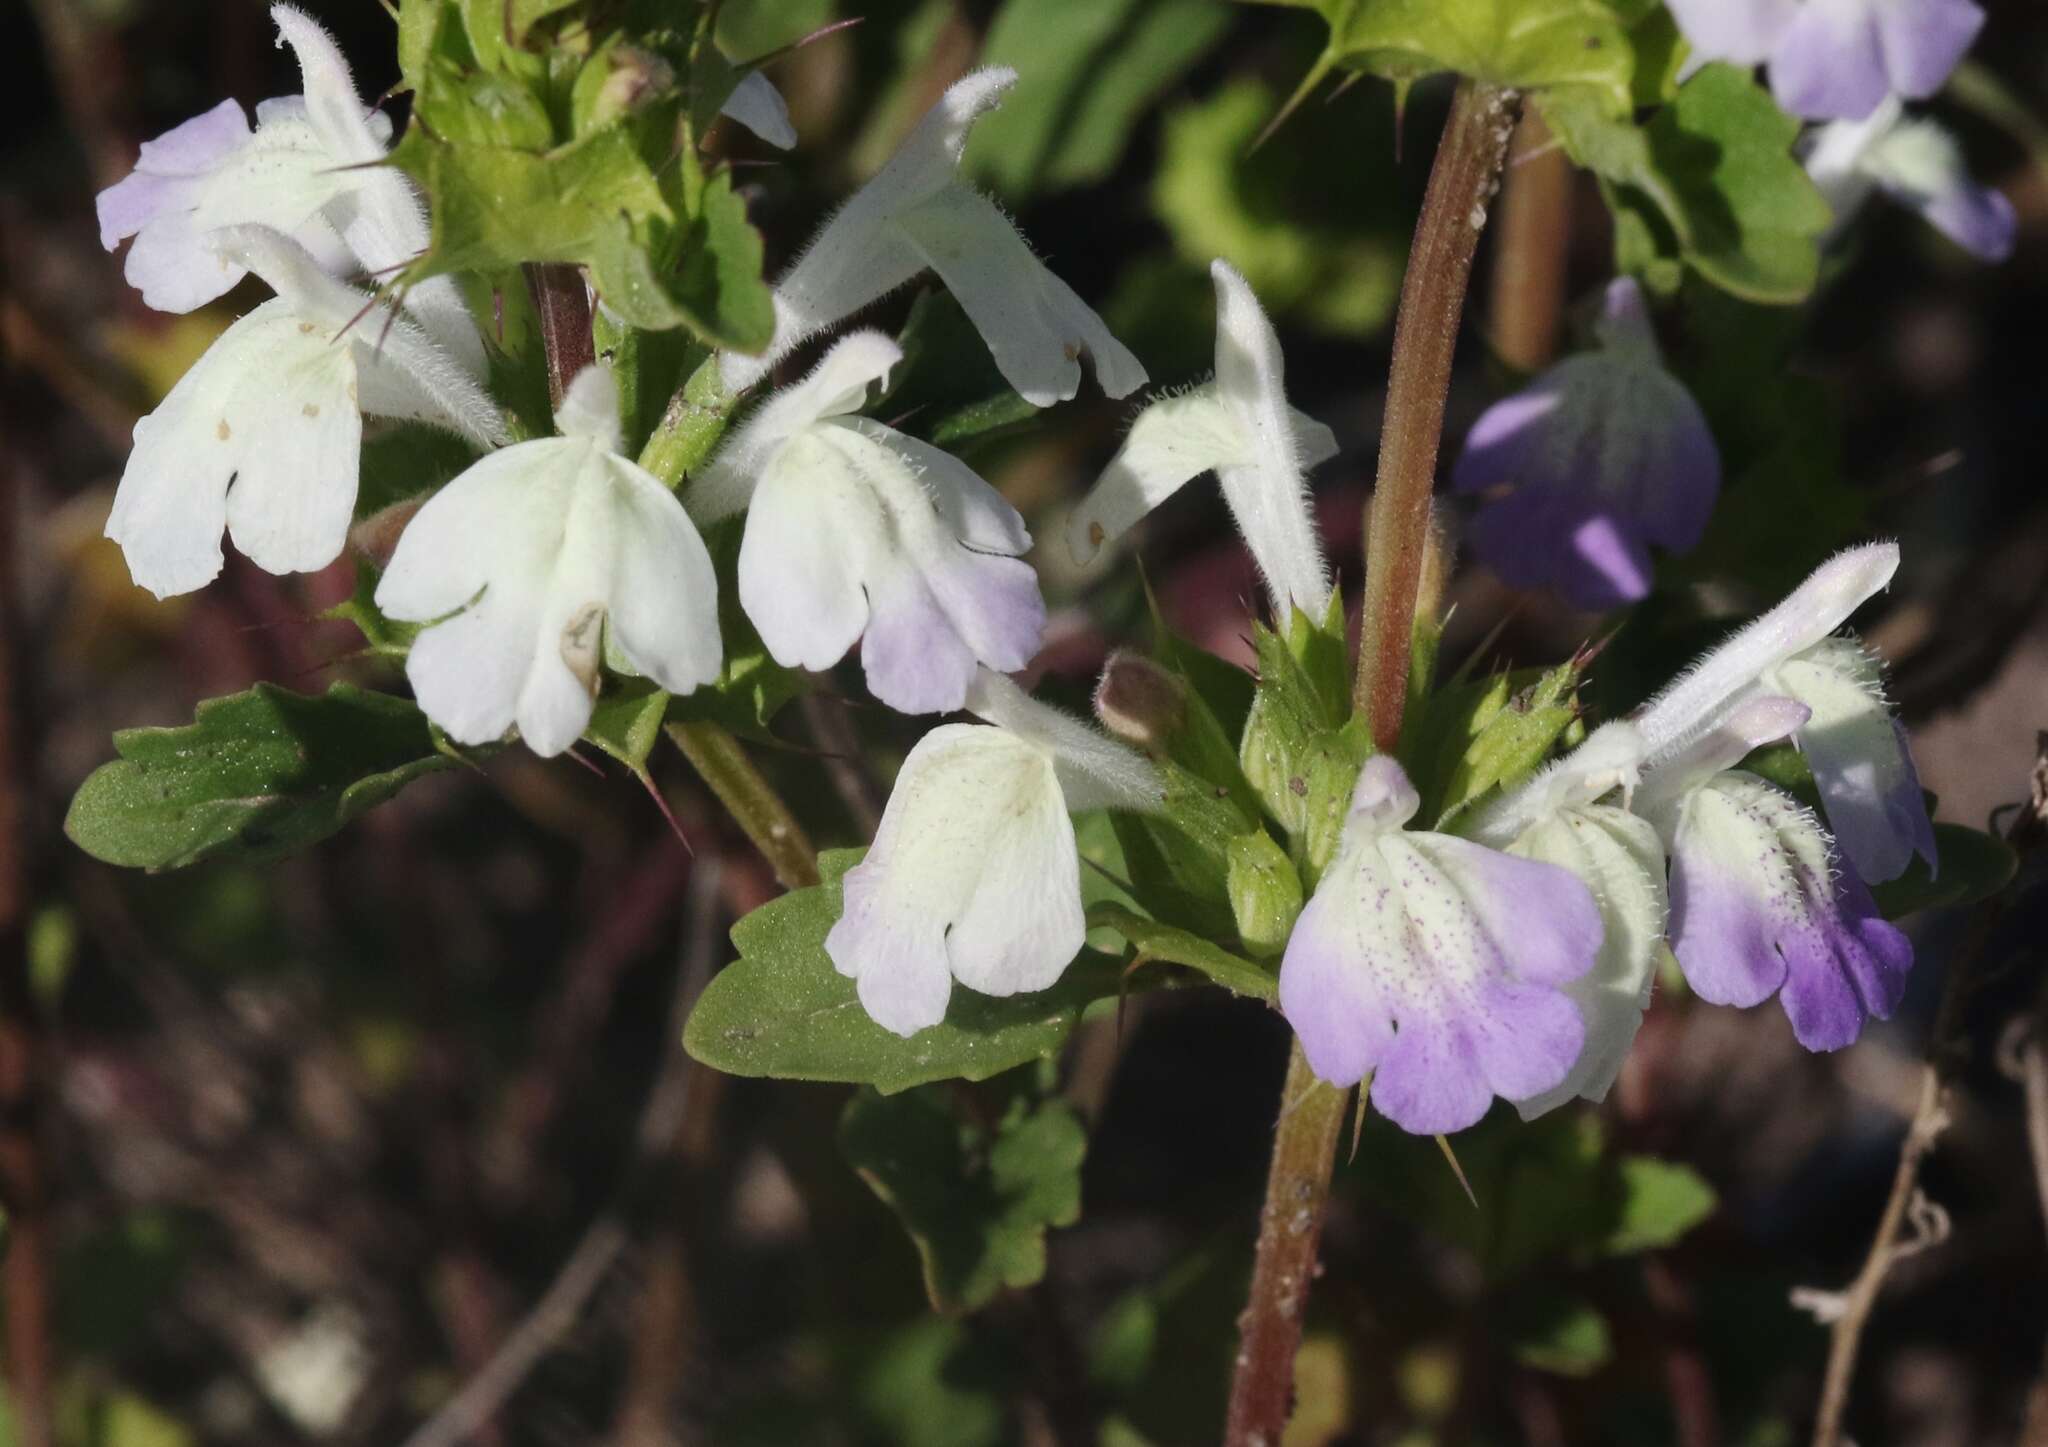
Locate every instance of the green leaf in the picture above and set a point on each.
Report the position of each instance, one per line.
(1559, 1334)
(256, 775)
(976, 1201)
(1516, 738)
(1525, 44)
(1289, 715)
(1319, 244)
(1090, 69)
(1711, 179)
(782, 1010)
(1179, 859)
(1660, 1202)
(718, 289)
(929, 1383)
(1155, 941)
(626, 721)
(1265, 893)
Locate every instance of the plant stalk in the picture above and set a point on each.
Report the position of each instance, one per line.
(1462, 182)
(751, 800)
(1461, 187)
(690, 426)
(562, 304)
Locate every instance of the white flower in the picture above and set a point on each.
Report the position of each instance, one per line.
(549, 543)
(1240, 427)
(263, 433)
(855, 531)
(1701, 697)
(1557, 818)
(756, 104)
(918, 214)
(1918, 164)
(974, 874)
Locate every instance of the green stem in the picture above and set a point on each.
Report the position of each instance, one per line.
(717, 756)
(691, 426)
(1461, 186)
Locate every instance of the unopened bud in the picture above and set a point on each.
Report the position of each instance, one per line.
(637, 77)
(1139, 701)
(376, 536)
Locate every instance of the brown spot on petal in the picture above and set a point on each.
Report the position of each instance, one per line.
(582, 639)
(311, 409)
(223, 432)
(305, 329)
(1096, 534)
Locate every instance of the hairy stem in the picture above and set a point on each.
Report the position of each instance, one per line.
(1461, 185)
(751, 800)
(691, 426)
(1290, 1227)
(562, 304)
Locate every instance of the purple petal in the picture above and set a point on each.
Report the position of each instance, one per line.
(1336, 1007)
(1738, 31)
(915, 661)
(1723, 925)
(1541, 914)
(1429, 1080)
(1977, 218)
(1829, 64)
(896, 958)
(1923, 40)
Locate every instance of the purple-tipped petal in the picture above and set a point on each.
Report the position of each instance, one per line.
(916, 661)
(1979, 219)
(1758, 905)
(1429, 1081)
(1829, 63)
(1336, 1008)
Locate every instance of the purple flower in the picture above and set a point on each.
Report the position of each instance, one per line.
(1601, 456)
(1918, 164)
(1740, 32)
(1435, 965)
(1760, 904)
(1841, 59)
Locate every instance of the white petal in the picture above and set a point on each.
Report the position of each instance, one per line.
(336, 113)
(1172, 441)
(1267, 496)
(756, 104)
(1619, 858)
(1094, 772)
(1035, 326)
(492, 535)
(813, 531)
(664, 591)
(1692, 704)
(1755, 719)
(1611, 758)
(590, 407)
(269, 403)
(967, 506)
(930, 155)
(562, 682)
(973, 865)
(837, 385)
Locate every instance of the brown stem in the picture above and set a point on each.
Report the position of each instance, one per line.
(718, 757)
(563, 305)
(1930, 1117)
(1290, 1227)
(1461, 185)
(1525, 303)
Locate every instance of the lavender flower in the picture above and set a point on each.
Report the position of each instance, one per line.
(1601, 456)
(1841, 59)
(1918, 164)
(1436, 965)
(1760, 904)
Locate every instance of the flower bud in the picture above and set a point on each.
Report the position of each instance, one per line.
(1140, 702)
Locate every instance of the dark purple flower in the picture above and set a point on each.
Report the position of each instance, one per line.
(1601, 456)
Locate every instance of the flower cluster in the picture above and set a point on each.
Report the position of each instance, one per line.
(1505, 952)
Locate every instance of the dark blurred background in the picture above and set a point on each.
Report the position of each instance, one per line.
(297, 1151)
